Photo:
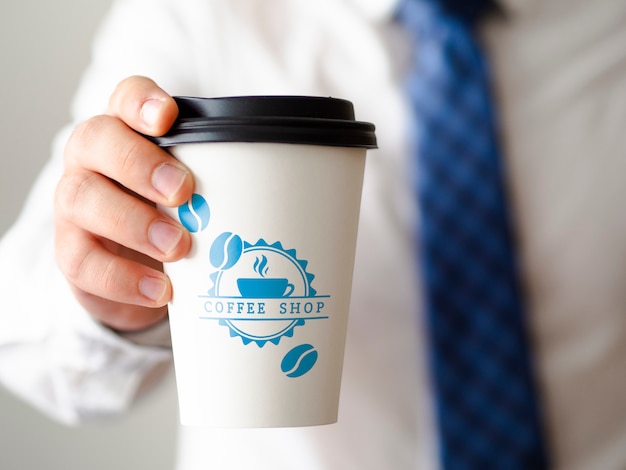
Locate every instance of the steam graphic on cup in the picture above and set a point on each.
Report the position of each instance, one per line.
(264, 287)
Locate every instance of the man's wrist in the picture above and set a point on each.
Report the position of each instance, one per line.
(157, 335)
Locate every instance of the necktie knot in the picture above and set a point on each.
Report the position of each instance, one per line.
(469, 12)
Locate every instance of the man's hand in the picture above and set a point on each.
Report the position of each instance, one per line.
(110, 239)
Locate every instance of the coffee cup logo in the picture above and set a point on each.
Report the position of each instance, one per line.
(261, 292)
(264, 295)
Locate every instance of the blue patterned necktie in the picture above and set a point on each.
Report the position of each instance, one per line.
(486, 400)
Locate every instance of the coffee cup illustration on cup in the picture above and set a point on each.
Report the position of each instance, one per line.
(264, 287)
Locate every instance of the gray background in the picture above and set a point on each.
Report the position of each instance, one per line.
(44, 46)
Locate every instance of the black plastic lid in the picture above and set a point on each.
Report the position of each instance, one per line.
(286, 119)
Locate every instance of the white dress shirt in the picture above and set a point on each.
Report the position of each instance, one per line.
(560, 68)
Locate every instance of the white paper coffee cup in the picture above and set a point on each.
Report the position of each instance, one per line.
(260, 305)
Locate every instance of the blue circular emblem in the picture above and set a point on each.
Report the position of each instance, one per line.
(263, 294)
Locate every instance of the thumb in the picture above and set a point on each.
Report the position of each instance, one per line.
(143, 105)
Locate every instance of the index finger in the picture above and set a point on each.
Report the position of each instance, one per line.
(111, 145)
(107, 146)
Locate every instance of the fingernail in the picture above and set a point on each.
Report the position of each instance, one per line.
(150, 112)
(168, 179)
(153, 288)
(164, 236)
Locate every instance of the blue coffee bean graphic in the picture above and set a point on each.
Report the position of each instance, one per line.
(194, 214)
(226, 250)
(299, 360)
